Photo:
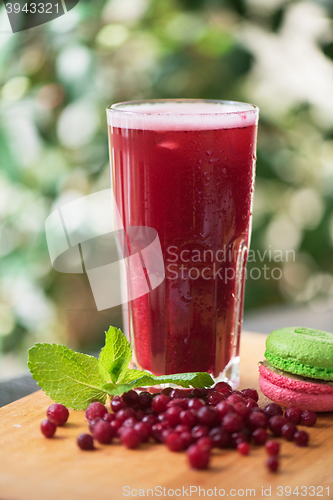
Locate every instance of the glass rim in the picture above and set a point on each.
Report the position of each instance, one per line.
(120, 107)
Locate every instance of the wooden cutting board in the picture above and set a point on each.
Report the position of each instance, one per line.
(35, 468)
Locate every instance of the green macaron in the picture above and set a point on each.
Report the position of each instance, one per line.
(302, 351)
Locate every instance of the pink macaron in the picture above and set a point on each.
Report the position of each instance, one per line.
(287, 389)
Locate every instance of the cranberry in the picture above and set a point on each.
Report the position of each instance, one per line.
(220, 437)
(130, 422)
(199, 431)
(199, 392)
(223, 388)
(242, 410)
(159, 403)
(174, 442)
(232, 422)
(157, 429)
(48, 428)
(276, 423)
(235, 398)
(150, 419)
(95, 410)
(124, 414)
(195, 404)
(257, 420)
(182, 428)
(188, 417)
(250, 393)
(272, 464)
(57, 414)
(308, 418)
(259, 436)
(250, 403)
(103, 432)
(198, 456)
(238, 437)
(109, 417)
(207, 416)
(224, 408)
(205, 442)
(118, 404)
(288, 431)
(187, 439)
(143, 429)
(178, 393)
(214, 398)
(272, 448)
(130, 438)
(173, 415)
(93, 422)
(181, 402)
(243, 448)
(294, 414)
(273, 409)
(301, 438)
(145, 400)
(115, 425)
(85, 442)
(166, 391)
(131, 398)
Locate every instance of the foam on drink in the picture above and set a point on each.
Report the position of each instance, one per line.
(203, 116)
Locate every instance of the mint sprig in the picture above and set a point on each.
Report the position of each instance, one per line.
(76, 379)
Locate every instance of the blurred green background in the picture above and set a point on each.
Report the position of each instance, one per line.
(55, 83)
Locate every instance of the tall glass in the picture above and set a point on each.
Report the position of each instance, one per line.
(185, 168)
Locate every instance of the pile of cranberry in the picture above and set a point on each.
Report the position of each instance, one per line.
(193, 419)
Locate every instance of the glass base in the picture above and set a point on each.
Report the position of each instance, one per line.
(230, 374)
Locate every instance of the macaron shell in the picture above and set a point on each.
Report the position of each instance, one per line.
(291, 392)
(303, 351)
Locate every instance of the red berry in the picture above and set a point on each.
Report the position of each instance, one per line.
(93, 422)
(131, 397)
(109, 417)
(235, 398)
(173, 415)
(187, 439)
(48, 428)
(308, 418)
(85, 442)
(178, 393)
(250, 403)
(259, 436)
(103, 432)
(272, 464)
(144, 430)
(130, 438)
(57, 413)
(174, 442)
(198, 456)
(159, 403)
(124, 414)
(188, 417)
(224, 408)
(118, 404)
(288, 431)
(301, 438)
(215, 398)
(145, 400)
(95, 410)
(199, 431)
(195, 404)
(272, 448)
(205, 442)
(250, 393)
(276, 423)
(243, 448)
(273, 409)
(150, 419)
(257, 420)
(207, 416)
(180, 402)
(239, 437)
(232, 422)
(242, 410)
(199, 392)
(130, 422)
(294, 414)
(220, 437)
(223, 388)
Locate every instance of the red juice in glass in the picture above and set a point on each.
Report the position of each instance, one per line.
(186, 169)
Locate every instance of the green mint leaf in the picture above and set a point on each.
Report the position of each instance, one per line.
(199, 379)
(68, 377)
(116, 354)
